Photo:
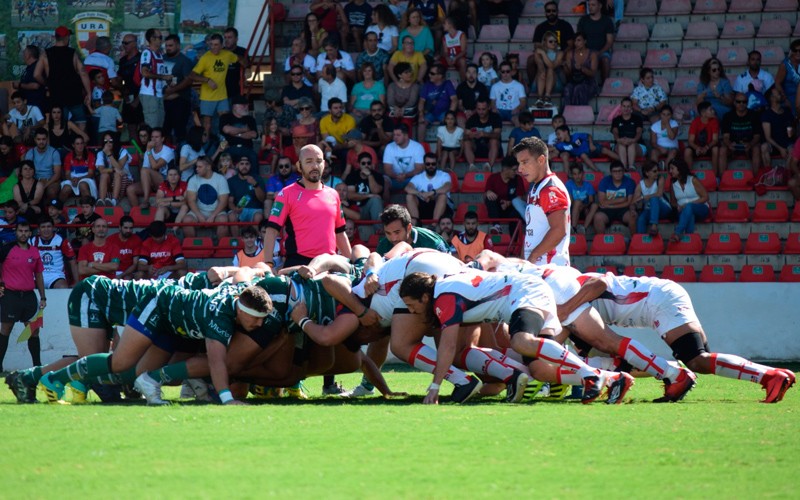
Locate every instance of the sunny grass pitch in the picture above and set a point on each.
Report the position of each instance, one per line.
(720, 443)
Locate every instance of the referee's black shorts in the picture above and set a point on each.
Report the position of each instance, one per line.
(18, 306)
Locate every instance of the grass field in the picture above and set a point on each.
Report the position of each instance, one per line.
(719, 443)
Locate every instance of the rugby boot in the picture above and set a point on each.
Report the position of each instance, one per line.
(515, 388)
(676, 390)
(150, 389)
(592, 388)
(619, 385)
(53, 390)
(462, 393)
(78, 392)
(776, 383)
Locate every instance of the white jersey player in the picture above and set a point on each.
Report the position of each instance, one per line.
(56, 253)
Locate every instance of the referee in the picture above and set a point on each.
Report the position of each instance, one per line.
(21, 270)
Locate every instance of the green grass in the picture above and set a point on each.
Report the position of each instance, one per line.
(719, 443)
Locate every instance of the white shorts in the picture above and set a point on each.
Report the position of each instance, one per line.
(50, 278)
(671, 307)
(75, 189)
(537, 297)
(385, 306)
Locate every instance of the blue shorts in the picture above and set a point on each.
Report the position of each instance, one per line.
(505, 114)
(76, 113)
(400, 185)
(434, 117)
(211, 108)
(248, 214)
(161, 341)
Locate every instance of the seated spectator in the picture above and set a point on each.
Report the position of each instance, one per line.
(191, 151)
(334, 126)
(627, 130)
(161, 255)
(415, 27)
(284, 114)
(328, 179)
(98, 256)
(487, 69)
(8, 156)
(454, 49)
(55, 211)
(580, 146)
(482, 136)
(349, 208)
(128, 245)
(252, 253)
(787, 78)
(563, 31)
(365, 188)
(402, 95)
(688, 197)
(741, 135)
(664, 137)
(508, 95)
(549, 59)
(407, 55)
(330, 86)
(11, 217)
(270, 147)
(366, 92)
(313, 34)
(446, 231)
(510, 8)
(207, 196)
(354, 140)
(402, 158)
(703, 137)
(469, 92)
(246, 198)
(599, 31)
(428, 192)
(299, 57)
(79, 168)
(552, 139)
(306, 118)
(359, 15)
(113, 163)
(760, 79)
(171, 197)
(580, 69)
(471, 241)
(513, 59)
(86, 216)
(300, 137)
(239, 129)
(285, 174)
(339, 59)
(61, 130)
(525, 129)
(715, 87)
(352, 233)
(332, 18)
(436, 98)
(583, 199)
(377, 127)
(384, 24)
(793, 170)
(224, 165)
(22, 119)
(28, 192)
(649, 195)
(615, 200)
(505, 193)
(648, 97)
(449, 145)
(47, 162)
(297, 88)
(375, 55)
(157, 158)
(777, 124)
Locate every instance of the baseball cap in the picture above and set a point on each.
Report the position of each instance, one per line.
(239, 100)
(57, 203)
(62, 31)
(354, 135)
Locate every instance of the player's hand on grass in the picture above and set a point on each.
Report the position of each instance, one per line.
(432, 398)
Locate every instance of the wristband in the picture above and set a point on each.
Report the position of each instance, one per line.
(363, 313)
(303, 322)
(433, 387)
(225, 396)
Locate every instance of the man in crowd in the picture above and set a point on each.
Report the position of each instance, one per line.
(161, 256)
(741, 134)
(47, 162)
(471, 241)
(482, 136)
(128, 62)
(402, 158)
(428, 192)
(239, 128)
(129, 245)
(57, 255)
(285, 174)
(157, 157)
(246, 200)
(178, 92)
(377, 127)
(155, 77)
(207, 197)
(469, 92)
(98, 256)
(599, 30)
(233, 78)
(211, 71)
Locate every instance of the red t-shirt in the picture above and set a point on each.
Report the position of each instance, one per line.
(100, 254)
(711, 129)
(79, 168)
(180, 189)
(19, 266)
(161, 253)
(507, 192)
(127, 249)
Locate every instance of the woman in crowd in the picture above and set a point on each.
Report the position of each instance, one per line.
(366, 92)
(715, 87)
(648, 97)
(650, 194)
(171, 197)
(113, 164)
(580, 67)
(415, 27)
(689, 198)
(28, 192)
(384, 24)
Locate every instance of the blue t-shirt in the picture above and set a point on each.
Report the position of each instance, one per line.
(625, 189)
(580, 193)
(578, 145)
(437, 99)
(359, 16)
(275, 183)
(243, 193)
(518, 134)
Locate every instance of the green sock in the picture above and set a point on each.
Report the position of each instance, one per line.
(126, 377)
(176, 372)
(366, 383)
(31, 376)
(91, 366)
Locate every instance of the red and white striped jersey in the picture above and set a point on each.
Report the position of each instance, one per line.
(545, 197)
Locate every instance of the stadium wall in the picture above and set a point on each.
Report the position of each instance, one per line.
(760, 321)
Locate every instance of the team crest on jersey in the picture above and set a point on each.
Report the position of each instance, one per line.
(476, 281)
(98, 256)
(277, 208)
(552, 197)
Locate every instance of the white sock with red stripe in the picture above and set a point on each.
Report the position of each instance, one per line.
(732, 366)
(509, 357)
(554, 353)
(602, 363)
(424, 358)
(568, 377)
(643, 359)
(477, 360)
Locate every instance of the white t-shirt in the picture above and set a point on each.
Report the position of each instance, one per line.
(385, 36)
(190, 155)
(547, 196)
(450, 140)
(345, 62)
(507, 95)
(309, 63)
(124, 158)
(327, 90)
(148, 86)
(31, 117)
(101, 61)
(425, 184)
(662, 139)
(208, 191)
(404, 160)
(166, 154)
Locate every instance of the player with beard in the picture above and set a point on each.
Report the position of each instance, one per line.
(471, 241)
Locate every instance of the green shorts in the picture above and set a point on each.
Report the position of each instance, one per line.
(83, 311)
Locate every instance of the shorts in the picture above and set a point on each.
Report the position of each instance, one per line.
(248, 214)
(614, 214)
(163, 342)
(505, 114)
(76, 113)
(400, 185)
(211, 108)
(384, 305)
(435, 117)
(18, 306)
(126, 181)
(76, 188)
(51, 278)
(449, 150)
(224, 212)
(537, 296)
(671, 306)
(152, 109)
(132, 114)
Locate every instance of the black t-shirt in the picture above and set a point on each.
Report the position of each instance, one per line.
(233, 76)
(561, 28)
(35, 97)
(596, 31)
(469, 96)
(361, 184)
(494, 122)
(370, 130)
(778, 124)
(627, 128)
(244, 121)
(359, 16)
(741, 128)
(291, 92)
(127, 67)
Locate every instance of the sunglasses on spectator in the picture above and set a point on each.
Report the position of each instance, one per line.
(366, 162)
(433, 73)
(305, 108)
(796, 50)
(715, 68)
(128, 42)
(551, 41)
(741, 101)
(297, 73)
(551, 11)
(505, 71)
(430, 164)
(108, 140)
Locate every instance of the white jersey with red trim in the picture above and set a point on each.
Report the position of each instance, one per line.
(53, 253)
(643, 302)
(545, 197)
(563, 280)
(482, 297)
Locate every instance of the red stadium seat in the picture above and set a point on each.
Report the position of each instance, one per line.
(629, 32)
(732, 55)
(474, 182)
(626, 59)
(640, 271)
(463, 208)
(685, 85)
(736, 180)
(790, 273)
(688, 244)
(740, 28)
(745, 6)
(70, 212)
(577, 244)
(723, 244)
(617, 87)
(198, 248)
(604, 114)
(771, 211)
(762, 244)
(608, 244)
(732, 211)
(601, 270)
(660, 58)
(110, 214)
(702, 30)
(644, 244)
(227, 247)
(771, 55)
(707, 179)
(640, 7)
(774, 28)
(710, 7)
(523, 33)
(795, 213)
(494, 33)
(693, 57)
(593, 178)
(792, 244)
(666, 31)
(675, 8)
(679, 273)
(578, 115)
(501, 242)
(752, 273)
(142, 217)
(780, 6)
(717, 274)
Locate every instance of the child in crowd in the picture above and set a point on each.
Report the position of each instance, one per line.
(225, 165)
(525, 129)
(487, 69)
(22, 119)
(583, 196)
(580, 146)
(449, 142)
(99, 85)
(555, 122)
(664, 137)
(270, 144)
(109, 118)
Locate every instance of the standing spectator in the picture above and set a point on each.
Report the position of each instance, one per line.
(47, 162)
(703, 136)
(365, 187)
(397, 227)
(384, 24)
(402, 95)
(583, 199)
(62, 71)
(100, 59)
(471, 241)
(615, 199)
(428, 192)
(285, 174)
(330, 86)
(171, 197)
(28, 191)
(239, 129)
(79, 168)
(454, 49)
(525, 129)
(178, 92)
(407, 55)
(469, 92)
(510, 8)
(650, 195)
(508, 96)
(57, 256)
(715, 87)
(366, 92)
(505, 193)
(113, 163)
(246, 200)
(331, 18)
(482, 136)
(688, 197)
(449, 142)
(549, 60)
(341, 61)
(741, 134)
(296, 89)
(161, 255)
(598, 30)
(300, 57)
(664, 137)
(207, 197)
(437, 97)
(580, 68)
(157, 158)
(648, 97)
(402, 158)
(548, 209)
(22, 271)
(760, 79)
(99, 256)
(128, 62)
(107, 116)
(627, 130)
(552, 24)
(777, 124)
(155, 77)
(33, 91)
(233, 78)
(359, 15)
(787, 78)
(415, 27)
(211, 71)
(580, 145)
(375, 55)
(22, 119)
(129, 246)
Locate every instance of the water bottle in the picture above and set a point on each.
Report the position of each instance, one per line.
(243, 201)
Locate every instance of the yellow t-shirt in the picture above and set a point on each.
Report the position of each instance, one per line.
(214, 67)
(415, 61)
(345, 124)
